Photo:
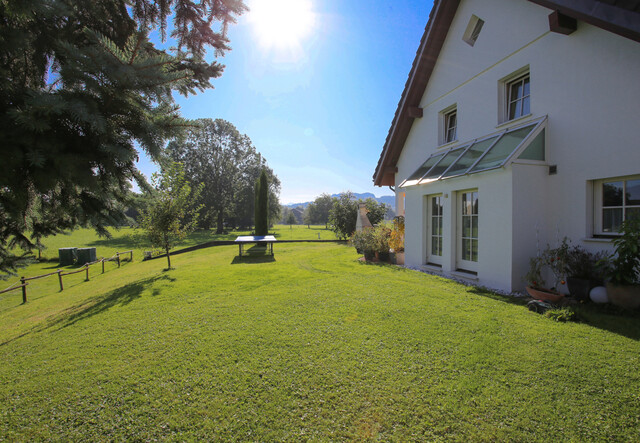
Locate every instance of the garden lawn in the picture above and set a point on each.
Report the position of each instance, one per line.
(311, 345)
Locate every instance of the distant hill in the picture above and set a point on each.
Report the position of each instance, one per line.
(388, 199)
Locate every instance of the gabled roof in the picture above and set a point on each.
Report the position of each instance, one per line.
(621, 17)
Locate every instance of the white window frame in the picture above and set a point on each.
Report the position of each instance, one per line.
(504, 94)
(461, 264)
(432, 259)
(599, 201)
(444, 123)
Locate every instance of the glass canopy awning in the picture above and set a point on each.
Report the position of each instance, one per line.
(483, 154)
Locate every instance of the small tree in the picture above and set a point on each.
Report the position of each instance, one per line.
(291, 220)
(170, 215)
(343, 215)
(262, 204)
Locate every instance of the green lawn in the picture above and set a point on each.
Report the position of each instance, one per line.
(312, 345)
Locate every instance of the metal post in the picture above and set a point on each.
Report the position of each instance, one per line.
(87, 269)
(60, 278)
(24, 290)
(102, 264)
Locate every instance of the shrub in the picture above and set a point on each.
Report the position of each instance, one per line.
(396, 241)
(625, 264)
(382, 234)
(585, 265)
(364, 241)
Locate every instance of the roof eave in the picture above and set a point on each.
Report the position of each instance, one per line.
(430, 45)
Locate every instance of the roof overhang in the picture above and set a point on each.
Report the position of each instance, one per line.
(432, 40)
(617, 16)
(621, 17)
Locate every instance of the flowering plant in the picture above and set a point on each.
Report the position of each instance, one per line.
(551, 259)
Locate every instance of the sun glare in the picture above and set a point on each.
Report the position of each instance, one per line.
(281, 24)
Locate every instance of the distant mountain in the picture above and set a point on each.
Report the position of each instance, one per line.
(388, 199)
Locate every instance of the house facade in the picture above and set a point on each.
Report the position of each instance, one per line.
(519, 125)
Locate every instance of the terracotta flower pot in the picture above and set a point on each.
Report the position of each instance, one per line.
(544, 294)
(625, 296)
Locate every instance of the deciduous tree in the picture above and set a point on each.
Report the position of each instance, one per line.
(171, 215)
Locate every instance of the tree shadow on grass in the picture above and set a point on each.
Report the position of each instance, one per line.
(95, 305)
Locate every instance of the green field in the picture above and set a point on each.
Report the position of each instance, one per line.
(311, 345)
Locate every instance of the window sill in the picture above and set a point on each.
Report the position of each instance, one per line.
(515, 120)
(598, 239)
(448, 144)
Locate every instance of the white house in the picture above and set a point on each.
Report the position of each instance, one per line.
(519, 125)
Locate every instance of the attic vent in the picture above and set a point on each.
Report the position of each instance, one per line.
(473, 30)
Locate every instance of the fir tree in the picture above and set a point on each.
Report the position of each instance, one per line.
(82, 86)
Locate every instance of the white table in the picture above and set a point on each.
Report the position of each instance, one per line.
(244, 239)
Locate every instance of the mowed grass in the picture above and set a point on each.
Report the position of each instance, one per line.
(312, 345)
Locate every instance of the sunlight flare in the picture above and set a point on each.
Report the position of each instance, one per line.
(281, 24)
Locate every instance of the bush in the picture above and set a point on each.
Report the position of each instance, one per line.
(364, 241)
(396, 241)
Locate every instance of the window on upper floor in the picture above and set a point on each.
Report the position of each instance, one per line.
(519, 97)
(448, 125)
(451, 125)
(514, 95)
(616, 200)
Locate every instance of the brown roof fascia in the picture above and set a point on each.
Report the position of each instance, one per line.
(431, 43)
(605, 15)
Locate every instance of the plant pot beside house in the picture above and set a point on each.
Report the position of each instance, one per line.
(364, 242)
(381, 246)
(551, 261)
(584, 271)
(623, 285)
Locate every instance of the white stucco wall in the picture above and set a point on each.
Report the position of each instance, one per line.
(587, 85)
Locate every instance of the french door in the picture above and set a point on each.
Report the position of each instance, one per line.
(434, 229)
(467, 231)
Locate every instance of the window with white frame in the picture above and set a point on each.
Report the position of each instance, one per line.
(617, 200)
(451, 126)
(519, 97)
(448, 125)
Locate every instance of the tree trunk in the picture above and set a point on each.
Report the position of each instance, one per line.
(168, 259)
(220, 225)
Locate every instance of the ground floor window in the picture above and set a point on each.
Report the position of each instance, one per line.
(467, 257)
(616, 200)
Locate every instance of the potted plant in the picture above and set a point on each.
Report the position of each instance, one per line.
(396, 241)
(550, 261)
(623, 285)
(584, 271)
(381, 237)
(365, 242)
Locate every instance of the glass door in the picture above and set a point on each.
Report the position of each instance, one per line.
(467, 254)
(434, 229)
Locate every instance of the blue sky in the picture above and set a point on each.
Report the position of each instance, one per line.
(319, 112)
